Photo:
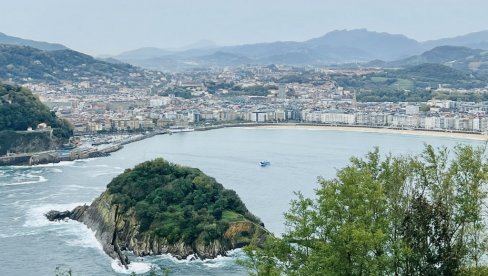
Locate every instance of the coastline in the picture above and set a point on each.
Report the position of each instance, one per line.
(435, 133)
(30, 159)
(54, 156)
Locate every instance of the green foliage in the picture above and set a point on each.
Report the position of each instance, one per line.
(413, 84)
(178, 92)
(20, 142)
(212, 87)
(20, 63)
(237, 90)
(419, 215)
(461, 96)
(177, 203)
(20, 109)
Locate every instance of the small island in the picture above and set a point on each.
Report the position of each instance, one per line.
(159, 207)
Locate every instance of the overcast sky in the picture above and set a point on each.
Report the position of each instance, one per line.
(111, 26)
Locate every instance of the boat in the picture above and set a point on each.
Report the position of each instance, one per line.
(264, 163)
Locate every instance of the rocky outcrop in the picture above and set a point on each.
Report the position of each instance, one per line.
(117, 233)
(28, 141)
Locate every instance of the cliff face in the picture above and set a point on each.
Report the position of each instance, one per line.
(25, 142)
(118, 232)
(159, 207)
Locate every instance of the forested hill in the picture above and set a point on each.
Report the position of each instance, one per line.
(179, 204)
(414, 84)
(20, 109)
(21, 64)
(159, 208)
(12, 40)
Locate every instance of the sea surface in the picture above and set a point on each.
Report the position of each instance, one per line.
(31, 245)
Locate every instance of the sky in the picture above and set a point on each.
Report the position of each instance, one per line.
(109, 27)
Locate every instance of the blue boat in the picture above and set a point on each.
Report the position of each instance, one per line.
(264, 163)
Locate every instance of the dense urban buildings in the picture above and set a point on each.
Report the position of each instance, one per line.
(259, 94)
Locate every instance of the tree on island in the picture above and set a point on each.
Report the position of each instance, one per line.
(421, 215)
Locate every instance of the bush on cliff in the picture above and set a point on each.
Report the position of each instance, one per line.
(177, 203)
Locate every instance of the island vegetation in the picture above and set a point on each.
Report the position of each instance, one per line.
(163, 208)
(180, 204)
(398, 215)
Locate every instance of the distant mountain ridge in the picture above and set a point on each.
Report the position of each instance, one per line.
(336, 47)
(477, 40)
(377, 45)
(11, 40)
(457, 57)
(23, 63)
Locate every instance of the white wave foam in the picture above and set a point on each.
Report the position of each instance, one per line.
(73, 233)
(40, 179)
(219, 261)
(135, 267)
(18, 234)
(35, 215)
(53, 165)
(50, 165)
(106, 173)
(102, 166)
(74, 187)
(85, 236)
(22, 202)
(22, 191)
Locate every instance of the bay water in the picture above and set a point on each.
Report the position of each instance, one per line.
(31, 245)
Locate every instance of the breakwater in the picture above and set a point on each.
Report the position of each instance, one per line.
(47, 157)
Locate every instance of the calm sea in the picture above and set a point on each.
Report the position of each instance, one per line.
(31, 245)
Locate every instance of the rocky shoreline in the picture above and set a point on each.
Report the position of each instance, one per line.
(118, 234)
(48, 157)
(56, 156)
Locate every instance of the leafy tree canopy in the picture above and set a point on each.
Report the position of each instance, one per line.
(421, 215)
(20, 109)
(176, 202)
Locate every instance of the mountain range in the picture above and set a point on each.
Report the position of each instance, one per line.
(42, 60)
(457, 57)
(336, 47)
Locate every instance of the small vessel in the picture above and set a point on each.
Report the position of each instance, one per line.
(264, 163)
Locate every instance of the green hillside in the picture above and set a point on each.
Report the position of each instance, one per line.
(177, 203)
(411, 84)
(20, 110)
(21, 64)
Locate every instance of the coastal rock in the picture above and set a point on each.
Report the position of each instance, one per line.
(119, 229)
(57, 215)
(75, 214)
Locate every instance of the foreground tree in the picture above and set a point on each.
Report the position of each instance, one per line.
(421, 215)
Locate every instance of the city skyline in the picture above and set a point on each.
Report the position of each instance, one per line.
(112, 27)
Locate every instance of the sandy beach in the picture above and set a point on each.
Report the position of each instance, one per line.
(383, 130)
